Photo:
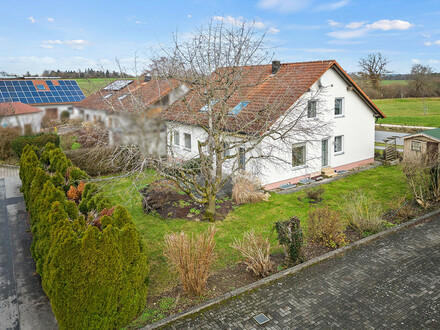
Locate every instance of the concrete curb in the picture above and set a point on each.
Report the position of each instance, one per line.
(289, 271)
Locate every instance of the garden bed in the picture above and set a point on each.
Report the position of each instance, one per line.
(385, 184)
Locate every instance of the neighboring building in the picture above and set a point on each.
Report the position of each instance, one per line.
(25, 118)
(349, 113)
(422, 146)
(126, 107)
(54, 96)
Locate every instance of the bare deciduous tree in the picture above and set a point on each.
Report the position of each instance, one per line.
(373, 67)
(422, 80)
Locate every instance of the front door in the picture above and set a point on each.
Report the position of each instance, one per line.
(324, 155)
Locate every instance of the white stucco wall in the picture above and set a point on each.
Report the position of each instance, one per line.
(356, 125)
(33, 119)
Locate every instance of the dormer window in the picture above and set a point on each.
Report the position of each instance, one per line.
(240, 106)
(205, 108)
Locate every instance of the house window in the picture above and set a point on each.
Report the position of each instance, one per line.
(176, 138)
(298, 155)
(205, 108)
(242, 159)
(187, 140)
(338, 107)
(416, 145)
(107, 96)
(240, 106)
(226, 150)
(311, 109)
(41, 87)
(338, 143)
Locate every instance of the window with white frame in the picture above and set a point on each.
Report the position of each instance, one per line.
(339, 140)
(416, 146)
(176, 138)
(298, 154)
(187, 138)
(311, 109)
(226, 150)
(339, 103)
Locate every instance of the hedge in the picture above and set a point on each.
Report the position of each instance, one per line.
(92, 260)
(40, 140)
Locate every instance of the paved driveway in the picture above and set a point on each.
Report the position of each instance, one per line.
(23, 304)
(392, 283)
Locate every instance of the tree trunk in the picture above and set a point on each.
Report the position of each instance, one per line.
(210, 208)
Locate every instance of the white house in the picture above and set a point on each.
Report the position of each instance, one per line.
(126, 108)
(25, 118)
(332, 123)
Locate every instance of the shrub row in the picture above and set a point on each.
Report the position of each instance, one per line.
(39, 141)
(7, 135)
(90, 256)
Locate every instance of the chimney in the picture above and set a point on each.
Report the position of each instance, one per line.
(147, 78)
(276, 65)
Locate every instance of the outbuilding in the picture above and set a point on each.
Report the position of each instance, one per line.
(422, 146)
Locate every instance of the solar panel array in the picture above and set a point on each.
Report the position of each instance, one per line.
(118, 85)
(25, 91)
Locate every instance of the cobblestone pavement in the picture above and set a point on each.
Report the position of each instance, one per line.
(392, 283)
(23, 304)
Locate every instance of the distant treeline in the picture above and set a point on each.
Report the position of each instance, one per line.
(88, 73)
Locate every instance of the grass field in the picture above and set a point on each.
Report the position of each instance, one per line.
(90, 86)
(392, 82)
(385, 184)
(410, 111)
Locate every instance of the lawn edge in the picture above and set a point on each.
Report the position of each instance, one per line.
(289, 271)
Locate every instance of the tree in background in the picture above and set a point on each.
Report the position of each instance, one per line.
(373, 67)
(422, 83)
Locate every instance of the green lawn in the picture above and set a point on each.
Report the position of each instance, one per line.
(410, 111)
(392, 82)
(385, 183)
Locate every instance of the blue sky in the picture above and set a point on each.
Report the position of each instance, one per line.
(76, 34)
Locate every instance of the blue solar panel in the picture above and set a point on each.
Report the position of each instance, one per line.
(57, 91)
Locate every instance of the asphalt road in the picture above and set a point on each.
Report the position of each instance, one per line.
(23, 303)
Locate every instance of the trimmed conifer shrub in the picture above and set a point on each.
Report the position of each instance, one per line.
(94, 271)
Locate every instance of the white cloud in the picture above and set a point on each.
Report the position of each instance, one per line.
(240, 21)
(355, 25)
(138, 22)
(386, 25)
(333, 23)
(189, 16)
(284, 6)
(434, 61)
(31, 18)
(415, 60)
(75, 44)
(50, 19)
(350, 34)
(358, 29)
(333, 5)
(431, 43)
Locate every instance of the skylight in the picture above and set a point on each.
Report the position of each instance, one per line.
(120, 98)
(107, 96)
(240, 106)
(205, 108)
(41, 87)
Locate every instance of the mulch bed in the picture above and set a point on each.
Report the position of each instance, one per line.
(165, 200)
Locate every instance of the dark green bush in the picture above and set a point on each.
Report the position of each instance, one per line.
(7, 135)
(95, 276)
(291, 238)
(39, 141)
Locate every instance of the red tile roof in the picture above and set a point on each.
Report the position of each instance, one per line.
(262, 90)
(16, 108)
(139, 95)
